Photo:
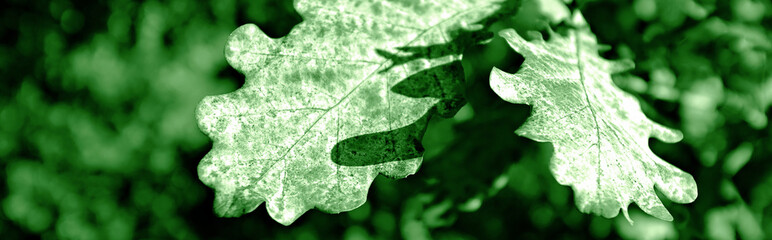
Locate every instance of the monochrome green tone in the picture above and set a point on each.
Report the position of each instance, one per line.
(598, 131)
(326, 81)
(99, 140)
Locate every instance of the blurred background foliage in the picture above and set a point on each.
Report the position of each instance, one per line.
(98, 138)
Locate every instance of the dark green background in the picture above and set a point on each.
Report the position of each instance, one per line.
(98, 138)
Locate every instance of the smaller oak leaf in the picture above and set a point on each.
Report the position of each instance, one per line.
(599, 132)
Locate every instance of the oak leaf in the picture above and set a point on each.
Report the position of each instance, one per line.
(338, 75)
(599, 133)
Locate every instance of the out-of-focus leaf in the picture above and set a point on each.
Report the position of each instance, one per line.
(646, 227)
(661, 86)
(738, 158)
(732, 220)
(555, 10)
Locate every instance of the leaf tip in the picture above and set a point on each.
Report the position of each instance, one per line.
(285, 214)
(497, 83)
(241, 42)
(577, 20)
(508, 33)
(627, 216)
(619, 66)
(514, 39)
(666, 134)
(203, 115)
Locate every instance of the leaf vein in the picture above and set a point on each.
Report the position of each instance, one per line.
(307, 130)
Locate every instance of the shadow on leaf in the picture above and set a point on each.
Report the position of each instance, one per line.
(445, 82)
(441, 82)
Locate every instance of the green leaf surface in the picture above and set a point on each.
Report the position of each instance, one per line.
(365, 73)
(599, 132)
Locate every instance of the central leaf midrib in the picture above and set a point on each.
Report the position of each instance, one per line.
(580, 68)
